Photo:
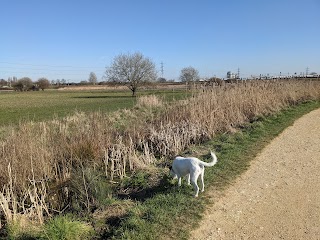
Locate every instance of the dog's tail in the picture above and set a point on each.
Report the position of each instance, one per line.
(213, 162)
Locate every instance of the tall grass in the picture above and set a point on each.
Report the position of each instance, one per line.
(52, 166)
(221, 110)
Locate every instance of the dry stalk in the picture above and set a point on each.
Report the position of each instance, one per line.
(86, 189)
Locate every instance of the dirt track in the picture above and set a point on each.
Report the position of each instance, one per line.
(278, 197)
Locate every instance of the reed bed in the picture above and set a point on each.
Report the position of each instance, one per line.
(223, 109)
(40, 161)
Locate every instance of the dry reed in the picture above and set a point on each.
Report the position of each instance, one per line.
(222, 110)
(149, 101)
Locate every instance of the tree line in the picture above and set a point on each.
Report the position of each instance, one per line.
(25, 84)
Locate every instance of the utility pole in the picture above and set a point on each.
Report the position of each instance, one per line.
(307, 71)
(162, 69)
(239, 73)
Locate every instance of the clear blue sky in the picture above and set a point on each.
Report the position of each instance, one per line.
(70, 38)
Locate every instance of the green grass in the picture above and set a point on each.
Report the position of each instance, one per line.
(171, 213)
(44, 105)
(58, 228)
(20, 106)
(65, 227)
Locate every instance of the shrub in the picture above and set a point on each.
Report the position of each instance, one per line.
(23, 84)
(43, 83)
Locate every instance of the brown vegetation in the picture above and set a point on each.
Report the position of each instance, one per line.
(45, 164)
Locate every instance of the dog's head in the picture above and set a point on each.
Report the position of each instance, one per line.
(172, 173)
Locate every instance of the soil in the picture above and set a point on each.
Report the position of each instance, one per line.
(278, 197)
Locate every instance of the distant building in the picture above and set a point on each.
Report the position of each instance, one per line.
(231, 75)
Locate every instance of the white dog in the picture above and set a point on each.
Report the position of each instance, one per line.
(192, 168)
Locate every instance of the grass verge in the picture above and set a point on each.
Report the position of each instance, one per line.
(172, 212)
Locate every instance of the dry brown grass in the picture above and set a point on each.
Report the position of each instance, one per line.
(149, 101)
(222, 110)
(43, 155)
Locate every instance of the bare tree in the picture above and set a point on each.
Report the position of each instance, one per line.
(43, 83)
(23, 84)
(189, 74)
(92, 78)
(133, 70)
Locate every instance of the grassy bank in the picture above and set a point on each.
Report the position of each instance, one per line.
(172, 213)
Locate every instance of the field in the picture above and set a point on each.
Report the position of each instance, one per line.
(44, 105)
(109, 168)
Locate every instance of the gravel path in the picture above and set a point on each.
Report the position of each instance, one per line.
(278, 197)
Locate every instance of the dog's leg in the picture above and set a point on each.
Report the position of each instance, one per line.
(188, 179)
(196, 188)
(179, 181)
(194, 179)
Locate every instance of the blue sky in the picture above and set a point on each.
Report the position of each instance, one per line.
(71, 38)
